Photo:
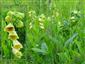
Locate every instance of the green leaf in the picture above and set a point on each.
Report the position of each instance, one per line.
(44, 47)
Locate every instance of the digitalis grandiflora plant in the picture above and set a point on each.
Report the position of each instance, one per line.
(14, 19)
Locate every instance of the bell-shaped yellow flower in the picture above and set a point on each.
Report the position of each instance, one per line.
(42, 27)
(17, 53)
(8, 18)
(13, 35)
(17, 45)
(9, 28)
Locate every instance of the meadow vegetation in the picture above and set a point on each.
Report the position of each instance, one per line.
(43, 31)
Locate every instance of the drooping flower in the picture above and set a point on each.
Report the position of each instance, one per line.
(42, 27)
(41, 24)
(17, 53)
(13, 35)
(31, 13)
(9, 28)
(30, 25)
(42, 18)
(17, 45)
(10, 13)
(8, 19)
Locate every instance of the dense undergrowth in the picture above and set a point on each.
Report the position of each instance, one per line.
(53, 32)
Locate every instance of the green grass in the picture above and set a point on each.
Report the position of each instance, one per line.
(61, 42)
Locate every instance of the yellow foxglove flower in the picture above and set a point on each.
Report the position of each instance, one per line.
(9, 28)
(40, 19)
(13, 35)
(17, 45)
(31, 13)
(10, 13)
(30, 25)
(17, 53)
(8, 19)
(41, 24)
(42, 16)
(42, 27)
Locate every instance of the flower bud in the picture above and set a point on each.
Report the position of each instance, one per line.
(41, 24)
(8, 18)
(13, 35)
(17, 45)
(19, 24)
(10, 13)
(9, 28)
(30, 25)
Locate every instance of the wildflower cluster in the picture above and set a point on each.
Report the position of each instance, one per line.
(32, 15)
(39, 20)
(75, 15)
(14, 19)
